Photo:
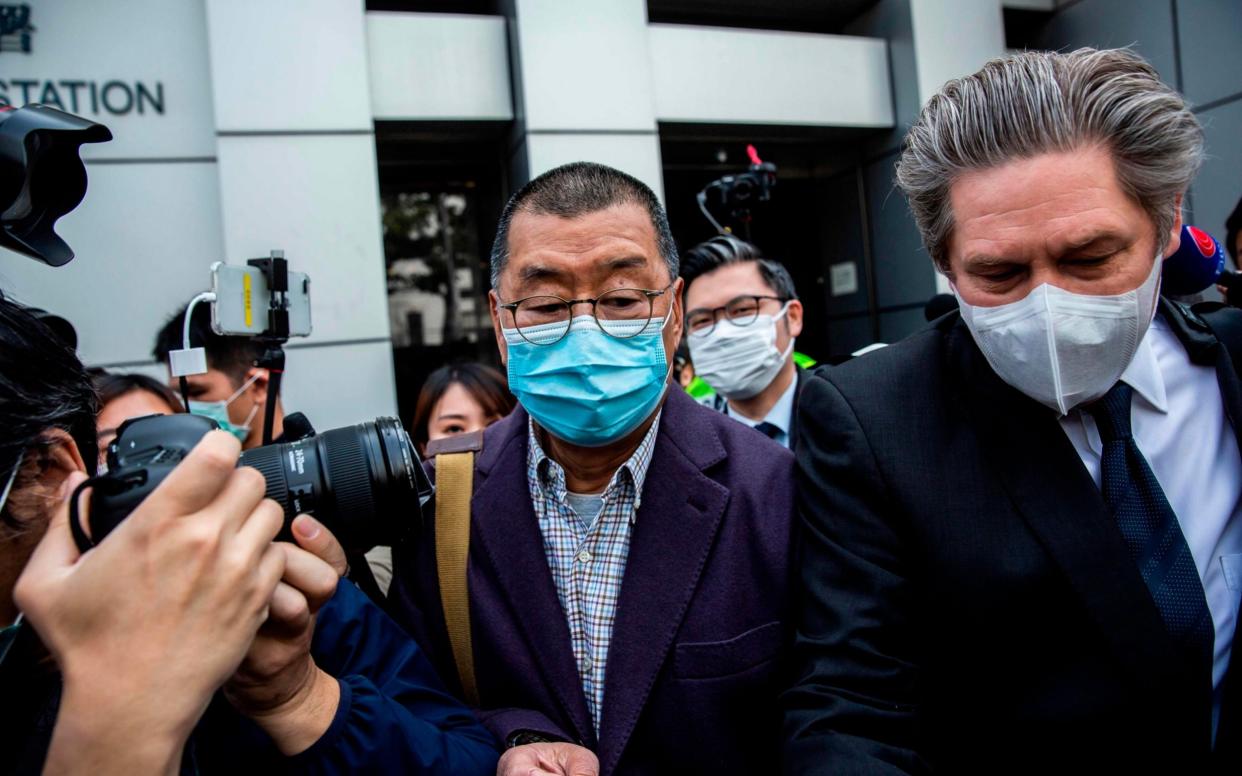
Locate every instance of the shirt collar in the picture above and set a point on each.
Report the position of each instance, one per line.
(549, 473)
(781, 414)
(1143, 373)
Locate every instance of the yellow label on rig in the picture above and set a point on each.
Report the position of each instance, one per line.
(246, 299)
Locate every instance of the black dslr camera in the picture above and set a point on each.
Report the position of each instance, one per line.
(364, 482)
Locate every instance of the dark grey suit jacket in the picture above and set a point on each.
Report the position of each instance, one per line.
(969, 604)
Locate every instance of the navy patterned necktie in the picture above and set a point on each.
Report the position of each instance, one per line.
(1149, 525)
(771, 431)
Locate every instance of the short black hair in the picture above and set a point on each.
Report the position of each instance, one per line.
(574, 190)
(1233, 227)
(726, 249)
(43, 386)
(232, 355)
(110, 386)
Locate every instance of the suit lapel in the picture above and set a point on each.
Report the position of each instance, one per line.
(673, 534)
(799, 374)
(1052, 491)
(507, 532)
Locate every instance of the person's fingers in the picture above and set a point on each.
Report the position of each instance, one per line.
(271, 567)
(56, 550)
(313, 578)
(197, 480)
(313, 537)
(288, 609)
(577, 761)
(261, 526)
(242, 492)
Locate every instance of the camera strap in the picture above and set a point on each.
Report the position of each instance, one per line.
(454, 459)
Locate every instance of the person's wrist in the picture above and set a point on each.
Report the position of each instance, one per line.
(105, 733)
(300, 720)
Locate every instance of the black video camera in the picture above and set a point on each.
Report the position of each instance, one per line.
(738, 194)
(364, 482)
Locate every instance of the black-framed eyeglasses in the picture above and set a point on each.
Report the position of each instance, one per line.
(622, 313)
(740, 311)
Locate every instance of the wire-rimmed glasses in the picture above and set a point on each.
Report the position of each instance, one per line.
(622, 313)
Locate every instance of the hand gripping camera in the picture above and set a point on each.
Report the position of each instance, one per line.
(364, 482)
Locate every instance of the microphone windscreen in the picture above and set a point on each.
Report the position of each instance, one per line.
(1196, 264)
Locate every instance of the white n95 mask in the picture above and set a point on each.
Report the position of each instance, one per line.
(1060, 348)
(739, 361)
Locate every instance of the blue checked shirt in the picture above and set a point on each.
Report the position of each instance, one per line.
(588, 559)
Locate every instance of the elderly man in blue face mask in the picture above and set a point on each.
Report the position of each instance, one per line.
(628, 571)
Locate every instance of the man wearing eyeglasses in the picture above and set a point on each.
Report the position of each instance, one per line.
(628, 573)
(742, 318)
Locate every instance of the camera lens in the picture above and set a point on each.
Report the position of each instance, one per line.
(364, 482)
(743, 188)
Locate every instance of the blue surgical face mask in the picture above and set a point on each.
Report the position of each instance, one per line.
(589, 388)
(219, 412)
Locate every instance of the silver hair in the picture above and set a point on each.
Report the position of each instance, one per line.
(1039, 102)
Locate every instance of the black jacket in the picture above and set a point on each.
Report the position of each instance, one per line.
(969, 604)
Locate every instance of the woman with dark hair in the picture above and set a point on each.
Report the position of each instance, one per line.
(126, 396)
(458, 399)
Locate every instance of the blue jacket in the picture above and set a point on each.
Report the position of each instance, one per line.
(394, 714)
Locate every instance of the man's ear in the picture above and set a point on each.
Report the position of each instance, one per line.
(60, 458)
(1175, 233)
(257, 391)
(793, 318)
(493, 306)
(677, 324)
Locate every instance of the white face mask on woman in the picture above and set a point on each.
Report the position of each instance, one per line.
(1060, 348)
(739, 361)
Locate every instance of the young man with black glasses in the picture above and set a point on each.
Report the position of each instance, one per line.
(742, 318)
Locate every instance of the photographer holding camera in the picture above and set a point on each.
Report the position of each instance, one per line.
(197, 597)
(128, 599)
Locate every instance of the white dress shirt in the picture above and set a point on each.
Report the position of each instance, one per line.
(781, 414)
(1179, 423)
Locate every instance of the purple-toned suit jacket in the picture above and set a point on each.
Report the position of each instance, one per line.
(697, 656)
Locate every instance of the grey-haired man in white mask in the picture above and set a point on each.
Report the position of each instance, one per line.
(742, 318)
(1022, 526)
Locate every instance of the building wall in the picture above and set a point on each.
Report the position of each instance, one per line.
(151, 221)
(258, 145)
(1194, 46)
